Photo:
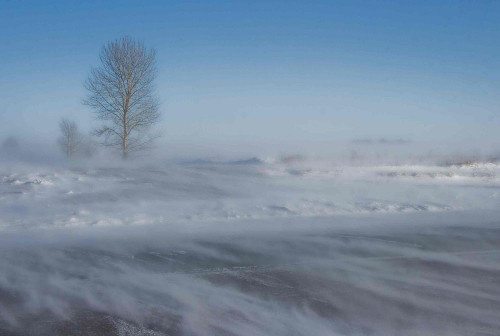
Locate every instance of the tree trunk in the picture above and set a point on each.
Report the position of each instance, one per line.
(125, 132)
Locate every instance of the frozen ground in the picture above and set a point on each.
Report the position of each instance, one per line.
(249, 248)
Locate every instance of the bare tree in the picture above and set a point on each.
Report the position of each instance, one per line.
(70, 140)
(121, 93)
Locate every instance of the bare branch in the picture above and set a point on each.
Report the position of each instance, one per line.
(70, 140)
(121, 94)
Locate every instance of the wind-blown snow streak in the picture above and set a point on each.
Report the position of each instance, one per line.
(249, 249)
(115, 196)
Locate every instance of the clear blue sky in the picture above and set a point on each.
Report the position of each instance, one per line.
(267, 74)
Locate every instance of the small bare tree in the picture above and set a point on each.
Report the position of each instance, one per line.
(121, 93)
(71, 139)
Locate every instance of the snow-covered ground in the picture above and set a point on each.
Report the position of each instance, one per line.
(255, 247)
(66, 197)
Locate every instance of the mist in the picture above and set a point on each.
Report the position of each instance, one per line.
(373, 236)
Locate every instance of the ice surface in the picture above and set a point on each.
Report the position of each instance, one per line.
(250, 247)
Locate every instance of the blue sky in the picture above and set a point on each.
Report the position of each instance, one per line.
(256, 75)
